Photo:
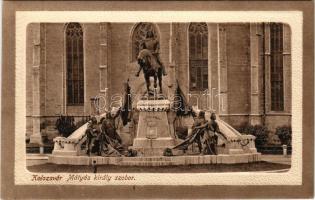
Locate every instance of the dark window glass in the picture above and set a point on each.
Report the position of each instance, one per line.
(198, 56)
(276, 66)
(74, 60)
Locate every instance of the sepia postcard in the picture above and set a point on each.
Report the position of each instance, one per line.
(157, 100)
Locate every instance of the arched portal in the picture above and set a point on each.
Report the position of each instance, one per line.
(139, 34)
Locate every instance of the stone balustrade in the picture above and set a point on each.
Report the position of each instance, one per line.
(68, 146)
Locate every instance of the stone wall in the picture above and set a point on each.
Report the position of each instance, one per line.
(238, 64)
(182, 66)
(55, 69)
(120, 36)
(233, 58)
(91, 64)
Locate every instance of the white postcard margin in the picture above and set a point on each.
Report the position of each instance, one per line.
(293, 18)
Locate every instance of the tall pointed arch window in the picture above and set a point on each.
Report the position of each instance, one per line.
(139, 35)
(276, 66)
(198, 56)
(74, 62)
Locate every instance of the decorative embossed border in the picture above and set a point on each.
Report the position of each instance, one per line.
(9, 190)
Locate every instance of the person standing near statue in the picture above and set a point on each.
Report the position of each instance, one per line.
(209, 139)
(92, 133)
(109, 125)
(111, 142)
(198, 129)
(199, 132)
(153, 45)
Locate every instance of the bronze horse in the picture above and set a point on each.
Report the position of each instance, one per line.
(151, 68)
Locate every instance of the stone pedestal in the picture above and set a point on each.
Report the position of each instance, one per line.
(153, 132)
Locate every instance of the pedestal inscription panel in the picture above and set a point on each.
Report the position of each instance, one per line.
(153, 133)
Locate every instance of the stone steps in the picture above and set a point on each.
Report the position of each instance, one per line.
(158, 160)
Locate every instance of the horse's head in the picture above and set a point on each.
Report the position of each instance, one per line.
(142, 62)
(143, 59)
(147, 60)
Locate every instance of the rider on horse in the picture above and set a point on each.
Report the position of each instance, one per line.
(153, 45)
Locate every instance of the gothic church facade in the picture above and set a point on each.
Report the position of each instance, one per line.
(241, 71)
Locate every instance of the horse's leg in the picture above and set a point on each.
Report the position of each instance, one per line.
(155, 84)
(138, 73)
(160, 80)
(155, 81)
(147, 80)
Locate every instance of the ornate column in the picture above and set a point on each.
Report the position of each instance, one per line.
(287, 67)
(213, 67)
(254, 75)
(209, 98)
(104, 68)
(266, 29)
(172, 59)
(222, 71)
(36, 136)
(172, 85)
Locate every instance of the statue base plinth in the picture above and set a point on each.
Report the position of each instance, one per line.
(152, 147)
(153, 132)
(156, 161)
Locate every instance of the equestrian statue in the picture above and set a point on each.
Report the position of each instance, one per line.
(150, 62)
